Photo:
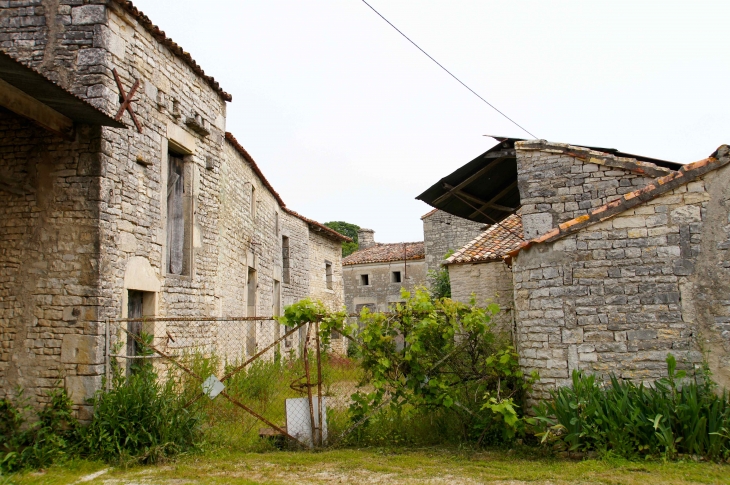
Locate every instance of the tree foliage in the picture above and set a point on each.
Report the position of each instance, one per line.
(443, 356)
(349, 230)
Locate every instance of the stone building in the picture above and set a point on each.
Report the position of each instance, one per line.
(116, 204)
(444, 232)
(374, 275)
(477, 271)
(625, 258)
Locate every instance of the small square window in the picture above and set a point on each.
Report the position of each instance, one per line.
(395, 277)
(328, 274)
(364, 280)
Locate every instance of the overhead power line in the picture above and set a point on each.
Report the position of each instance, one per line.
(449, 72)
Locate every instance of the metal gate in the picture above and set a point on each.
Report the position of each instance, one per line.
(224, 357)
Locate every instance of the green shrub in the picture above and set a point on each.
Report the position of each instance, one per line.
(48, 440)
(439, 360)
(141, 420)
(675, 415)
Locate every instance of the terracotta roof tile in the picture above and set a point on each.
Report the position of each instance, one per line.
(492, 244)
(383, 253)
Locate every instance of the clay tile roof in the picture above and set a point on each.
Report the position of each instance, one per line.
(163, 39)
(383, 253)
(493, 244)
(429, 213)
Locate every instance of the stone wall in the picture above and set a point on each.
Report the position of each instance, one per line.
(618, 296)
(49, 245)
(324, 250)
(381, 291)
(115, 180)
(556, 186)
(487, 282)
(443, 232)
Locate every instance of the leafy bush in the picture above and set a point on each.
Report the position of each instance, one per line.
(675, 415)
(46, 441)
(442, 359)
(141, 420)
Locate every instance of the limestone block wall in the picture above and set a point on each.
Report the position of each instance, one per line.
(443, 232)
(618, 296)
(381, 291)
(49, 248)
(556, 187)
(487, 282)
(321, 250)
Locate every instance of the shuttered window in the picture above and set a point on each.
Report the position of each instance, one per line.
(178, 217)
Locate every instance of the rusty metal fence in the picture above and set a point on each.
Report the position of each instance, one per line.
(250, 377)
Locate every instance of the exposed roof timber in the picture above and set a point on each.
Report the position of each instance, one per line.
(27, 106)
(493, 200)
(489, 184)
(486, 169)
(44, 91)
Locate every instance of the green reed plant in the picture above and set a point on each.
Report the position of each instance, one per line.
(675, 415)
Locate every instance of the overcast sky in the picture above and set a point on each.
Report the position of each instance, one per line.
(350, 122)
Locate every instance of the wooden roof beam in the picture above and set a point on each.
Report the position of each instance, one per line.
(493, 200)
(487, 168)
(27, 106)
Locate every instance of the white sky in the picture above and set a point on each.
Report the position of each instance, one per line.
(350, 122)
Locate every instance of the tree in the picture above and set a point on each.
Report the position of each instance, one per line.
(349, 230)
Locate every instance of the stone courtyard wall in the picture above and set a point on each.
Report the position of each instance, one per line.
(618, 296)
(443, 232)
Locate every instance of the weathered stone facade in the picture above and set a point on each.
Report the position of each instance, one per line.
(443, 232)
(95, 224)
(624, 261)
(635, 278)
(486, 282)
(375, 274)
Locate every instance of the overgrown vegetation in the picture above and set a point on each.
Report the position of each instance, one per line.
(439, 282)
(141, 419)
(676, 415)
(437, 365)
(349, 230)
(38, 444)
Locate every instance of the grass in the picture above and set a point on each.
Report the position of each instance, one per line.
(431, 465)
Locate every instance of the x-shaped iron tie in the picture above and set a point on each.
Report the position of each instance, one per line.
(126, 101)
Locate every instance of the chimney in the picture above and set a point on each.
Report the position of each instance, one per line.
(365, 238)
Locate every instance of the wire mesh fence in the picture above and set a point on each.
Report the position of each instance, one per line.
(250, 377)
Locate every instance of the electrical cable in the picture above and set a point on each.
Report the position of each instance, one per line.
(449, 72)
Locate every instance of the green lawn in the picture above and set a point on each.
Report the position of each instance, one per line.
(431, 465)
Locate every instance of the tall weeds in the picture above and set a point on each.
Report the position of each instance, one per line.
(676, 415)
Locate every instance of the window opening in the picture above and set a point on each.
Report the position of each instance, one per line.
(253, 202)
(285, 259)
(251, 286)
(179, 216)
(328, 274)
(365, 280)
(395, 277)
